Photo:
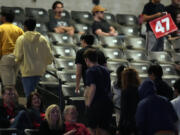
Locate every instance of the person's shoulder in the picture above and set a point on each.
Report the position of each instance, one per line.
(149, 4)
(176, 100)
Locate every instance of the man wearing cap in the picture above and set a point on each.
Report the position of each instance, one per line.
(101, 27)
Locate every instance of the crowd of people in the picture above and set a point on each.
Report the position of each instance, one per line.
(142, 108)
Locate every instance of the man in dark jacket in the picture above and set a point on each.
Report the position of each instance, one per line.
(154, 113)
(155, 73)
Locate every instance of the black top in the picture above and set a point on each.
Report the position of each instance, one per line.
(129, 102)
(151, 9)
(53, 23)
(4, 117)
(163, 89)
(173, 11)
(45, 130)
(103, 25)
(80, 60)
(99, 76)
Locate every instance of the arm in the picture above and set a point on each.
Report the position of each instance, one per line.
(90, 94)
(78, 76)
(151, 17)
(49, 56)
(99, 32)
(113, 31)
(18, 51)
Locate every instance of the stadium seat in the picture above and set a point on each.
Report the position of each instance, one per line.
(41, 27)
(31, 131)
(176, 58)
(140, 67)
(136, 56)
(18, 11)
(64, 51)
(176, 45)
(84, 17)
(168, 46)
(60, 39)
(39, 14)
(110, 18)
(170, 79)
(128, 20)
(111, 41)
(65, 63)
(168, 69)
(19, 24)
(113, 54)
(137, 43)
(8, 131)
(128, 30)
(49, 79)
(160, 57)
(67, 76)
(82, 28)
(114, 64)
(65, 14)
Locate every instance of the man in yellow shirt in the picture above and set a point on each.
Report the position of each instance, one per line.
(8, 35)
(33, 54)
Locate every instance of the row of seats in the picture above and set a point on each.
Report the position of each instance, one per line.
(42, 15)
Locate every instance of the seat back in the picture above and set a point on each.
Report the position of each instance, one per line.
(84, 17)
(65, 63)
(64, 15)
(135, 43)
(82, 28)
(41, 27)
(8, 131)
(31, 131)
(111, 41)
(160, 57)
(113, 53)
(110, 18)
(140, 67)
(136, 55)
(168, 69)
(18, 11)
(68, 76)
(39, 14)
(128, 30)
(19, 24)
(113, 65)
(127, 19)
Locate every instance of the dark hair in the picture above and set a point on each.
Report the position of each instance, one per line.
(119, 74)
(177, 85)
(89, 39)
(30, 24)
(9, 16)
(156, 70)
(29, 101)
(55, 4)
(91, 54)
(7, 89)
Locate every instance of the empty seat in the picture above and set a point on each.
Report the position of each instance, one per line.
(111, 53)
(84, 17)
(140, 67)
(176, 45)
(128, 30)
(49, 78)
(176, 57)
(64, 51)
(167, 46)
(170, 79)
(18, 11)
(69, 90)
(168, 69)
(125, 19)
(19, 24)
(62, 63)
(113, 65)
(67, 76)
(64, 15)
(8, 131)
(160, 57)
(136, 56)
(135, 43)
(111, 41)
(39, 14)
(82, 28)
(41, 27)
(60, 39)
(110, 18)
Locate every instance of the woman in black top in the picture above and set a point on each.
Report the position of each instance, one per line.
(129, 101)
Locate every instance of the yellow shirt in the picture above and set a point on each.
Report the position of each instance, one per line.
(8, 35)
(33, 54)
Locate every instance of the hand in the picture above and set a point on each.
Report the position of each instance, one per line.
(71, 132)
(111, 33)
(77, 90)
(12, 120)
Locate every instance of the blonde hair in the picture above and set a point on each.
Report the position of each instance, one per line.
(68, 107)
(130, 77)
(49, 119)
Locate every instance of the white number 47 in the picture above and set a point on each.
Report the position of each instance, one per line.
(160, 28)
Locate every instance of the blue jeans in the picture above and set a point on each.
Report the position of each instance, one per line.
(29, 84)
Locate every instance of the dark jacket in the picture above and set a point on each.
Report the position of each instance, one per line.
(154, 112)
(129, 101)
(4, 117)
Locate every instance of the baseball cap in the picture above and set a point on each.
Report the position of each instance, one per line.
(98, 8)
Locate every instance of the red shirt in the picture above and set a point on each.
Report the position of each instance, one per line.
(10, 111)
(81, 128)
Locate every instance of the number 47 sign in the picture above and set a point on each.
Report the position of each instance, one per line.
(163, 26)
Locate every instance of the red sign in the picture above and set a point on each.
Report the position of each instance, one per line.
(163, 26)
